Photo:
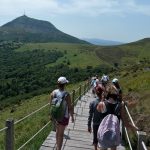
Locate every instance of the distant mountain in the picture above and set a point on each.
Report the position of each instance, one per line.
(140, 42)
(26, 29)
(102, 42)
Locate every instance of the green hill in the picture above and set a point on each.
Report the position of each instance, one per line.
(26, 29)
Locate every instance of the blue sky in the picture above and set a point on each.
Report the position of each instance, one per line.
(117, 20)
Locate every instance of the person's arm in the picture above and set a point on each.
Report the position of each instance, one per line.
(90, 117)
(70, 107)
(50, 98)
(125, 120)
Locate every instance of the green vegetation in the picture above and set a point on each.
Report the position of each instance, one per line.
(79, 55)
(30, 71)
(33, 69)
(26, 29)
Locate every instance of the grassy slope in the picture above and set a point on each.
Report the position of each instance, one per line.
(135, 82)
(79, 55)
(83, 55)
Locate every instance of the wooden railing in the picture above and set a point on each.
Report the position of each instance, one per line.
(9, 129)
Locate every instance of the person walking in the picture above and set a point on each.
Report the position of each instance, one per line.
(95, 117)
(60, 125)
(112, 106)
(117, 85)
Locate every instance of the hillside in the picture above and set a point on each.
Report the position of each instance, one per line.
(29, 72)
(26, 29)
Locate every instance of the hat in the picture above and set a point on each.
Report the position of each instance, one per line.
(105, 78)
(114, 80)
(62, 80)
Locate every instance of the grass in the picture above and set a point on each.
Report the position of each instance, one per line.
(83, 55)
(78, 55)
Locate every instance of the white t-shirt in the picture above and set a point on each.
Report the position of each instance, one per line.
(59, 94)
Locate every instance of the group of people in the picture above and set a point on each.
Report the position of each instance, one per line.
(106, 97)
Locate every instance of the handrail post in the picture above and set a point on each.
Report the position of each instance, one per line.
(141, 137)
(80, 92)
(10, 134)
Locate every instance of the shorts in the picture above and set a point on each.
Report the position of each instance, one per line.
(95, 129)
(64, 122)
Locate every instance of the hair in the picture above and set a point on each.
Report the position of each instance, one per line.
(99, 90)
(112, 92)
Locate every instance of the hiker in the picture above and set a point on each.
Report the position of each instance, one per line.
(93, 85)
(95, 117)
(60, 125)
(108, 107)
(105, 83)
(117, 85)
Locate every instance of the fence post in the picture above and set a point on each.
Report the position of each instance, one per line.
(10, 134)
(141, 137)
(80, 92)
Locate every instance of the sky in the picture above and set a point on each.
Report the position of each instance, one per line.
(116, 20)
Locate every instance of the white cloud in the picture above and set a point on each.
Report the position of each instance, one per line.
(79, 7)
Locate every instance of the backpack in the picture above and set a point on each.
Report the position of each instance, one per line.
(109, 132)
(58, 107)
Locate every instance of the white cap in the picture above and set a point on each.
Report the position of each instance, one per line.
(62, 80)
(105, 78)
(115, 80)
